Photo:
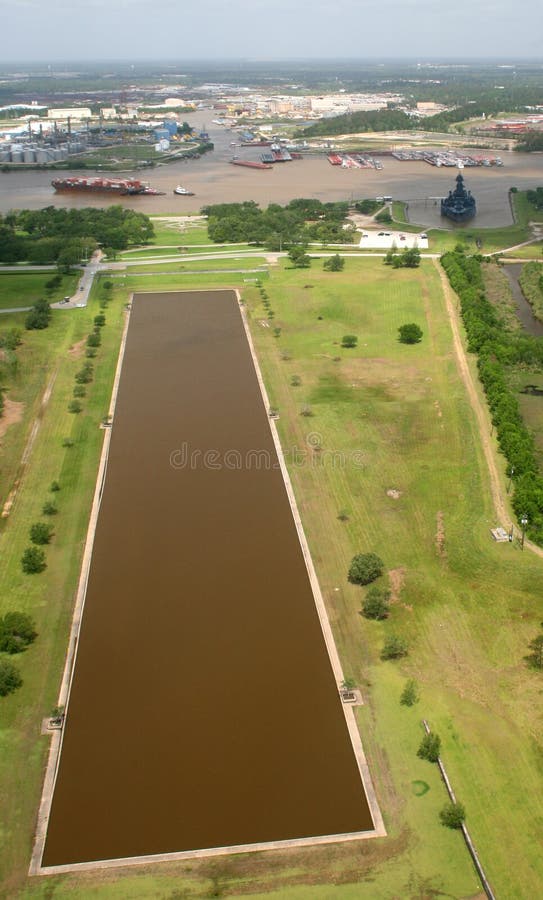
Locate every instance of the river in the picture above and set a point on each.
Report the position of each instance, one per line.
(213, 180)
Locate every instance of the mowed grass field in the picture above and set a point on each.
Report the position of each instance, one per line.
(23, 289)
(468, 607)
(385, 416)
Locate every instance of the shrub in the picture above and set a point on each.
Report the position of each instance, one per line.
(349, 340)
(90, 352)
(39, 316)
(375, 605)
(74, 406)
(409, 694)
(295, 381)
(41, 532)
(334, 264)
(365, 568)
(430, 747)
(33, 561)
(410, 334)
(452, 815)
(49, 508)
(394, 647)
(85, 374)
(277, 332)
(94, 339)
(79, 391)
(100, 320)
(10, 678)
(306, 411)
(67, 442)
(55, 486)
(17, 631)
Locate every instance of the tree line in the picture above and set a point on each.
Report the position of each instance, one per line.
(498, 351)
(279, 227)
(66, 236)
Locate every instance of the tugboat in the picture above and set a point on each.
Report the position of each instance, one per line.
(183, 192)
(460, 205)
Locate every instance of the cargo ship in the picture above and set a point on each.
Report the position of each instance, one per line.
(123, 187)
(249, 164)
(460, 204)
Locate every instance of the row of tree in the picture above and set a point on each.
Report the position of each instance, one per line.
(67, 236)
(499, 349)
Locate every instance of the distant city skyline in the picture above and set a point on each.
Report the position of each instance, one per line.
(133, 30)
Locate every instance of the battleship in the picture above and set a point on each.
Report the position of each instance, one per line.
(460, 205)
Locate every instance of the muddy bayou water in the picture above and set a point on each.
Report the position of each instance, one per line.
(204, 711)
(213, 180)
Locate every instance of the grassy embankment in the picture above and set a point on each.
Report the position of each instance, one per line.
(467, 606)
(57, 352)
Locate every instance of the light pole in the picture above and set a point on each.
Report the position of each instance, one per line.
(511, 473)
(523, 522)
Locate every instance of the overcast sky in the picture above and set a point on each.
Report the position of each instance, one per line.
(44, 30)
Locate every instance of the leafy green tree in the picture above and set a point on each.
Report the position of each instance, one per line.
(74, 406)
(33, 561)
(39, 316)
(453, 815)
(409, 695)
(10, 678)
(49, 508)
(410, 333)
(349, 340)
(41, 532)
(17, 632)
(299, 258)
(365, 568)
(384, 217)
(376, 603)
(394, 647)
(411, 257)
(430, 747)
(535, 658)
(334, 263)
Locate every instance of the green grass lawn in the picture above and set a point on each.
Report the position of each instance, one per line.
(174, 233)
(152, 251)
(191, 265)
(23, 289)
(389, 416)
(468, 606)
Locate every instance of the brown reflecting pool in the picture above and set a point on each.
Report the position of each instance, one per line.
(204, 711)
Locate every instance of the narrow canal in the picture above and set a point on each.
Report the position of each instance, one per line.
(525, 315)
(204, 711)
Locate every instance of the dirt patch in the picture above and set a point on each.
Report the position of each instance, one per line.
(13, 413)
(76, 350)
(438, 409)
(440, 535)
(396, 578)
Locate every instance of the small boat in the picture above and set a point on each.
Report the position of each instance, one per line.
(184, 192)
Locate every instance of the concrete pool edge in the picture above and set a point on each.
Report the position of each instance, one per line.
(55, 749)
(208, 852)
(52, 769)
